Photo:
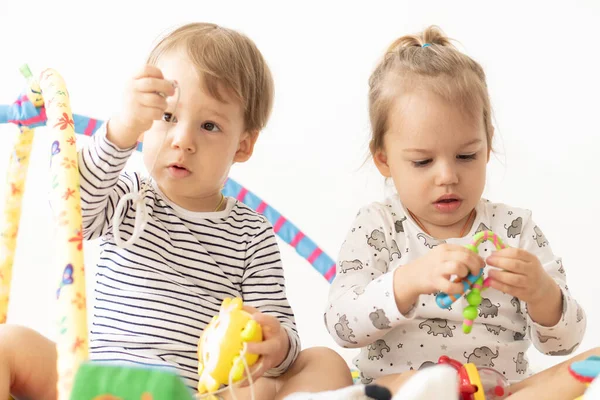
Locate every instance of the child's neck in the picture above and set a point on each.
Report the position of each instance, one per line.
(456, 230)
(211, 203)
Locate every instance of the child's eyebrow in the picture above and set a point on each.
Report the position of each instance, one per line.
(416, 151)
(424, 151)
(217, 113)
(471, 142)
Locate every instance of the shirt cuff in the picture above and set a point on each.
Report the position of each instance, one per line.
(566, 310)
(386, 298)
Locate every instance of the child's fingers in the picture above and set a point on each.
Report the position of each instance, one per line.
(149, 114)
(154, 85)
(149, 71)
(509, 278)
(449, 287)
(511, 253)
(471, 260)
(508, 289)
(250, 309)
(457, 268)
(263, 348)
(516, 266)
(267, 322)
(152, 100)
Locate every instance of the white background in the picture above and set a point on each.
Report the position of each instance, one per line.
(541, 59)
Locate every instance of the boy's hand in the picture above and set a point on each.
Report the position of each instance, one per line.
(275, 345)
(521, 275)
(144, 102)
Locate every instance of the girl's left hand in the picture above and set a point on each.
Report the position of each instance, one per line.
(275, 345)
(521, 275)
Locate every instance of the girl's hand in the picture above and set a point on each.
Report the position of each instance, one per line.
(432, 272)
(521, 275)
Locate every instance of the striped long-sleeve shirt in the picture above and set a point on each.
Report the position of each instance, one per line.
(153, 300)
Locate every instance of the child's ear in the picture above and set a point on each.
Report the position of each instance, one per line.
(246, 146)
(381, 162)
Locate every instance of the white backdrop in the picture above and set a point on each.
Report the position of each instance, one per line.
(543, 78)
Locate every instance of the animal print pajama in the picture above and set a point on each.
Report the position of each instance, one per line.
(362, 311)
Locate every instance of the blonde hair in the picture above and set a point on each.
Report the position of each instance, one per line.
(227, 60)
(427, 59)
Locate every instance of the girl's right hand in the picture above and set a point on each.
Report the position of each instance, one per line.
(432, 272)
(144, 102)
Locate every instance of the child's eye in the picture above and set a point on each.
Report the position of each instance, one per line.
(467, 156)
(211, 127)
(422, 163)
(168, 117)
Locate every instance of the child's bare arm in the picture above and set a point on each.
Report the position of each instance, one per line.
(27, 364)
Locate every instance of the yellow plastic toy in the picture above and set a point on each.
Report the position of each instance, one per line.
(222, 346)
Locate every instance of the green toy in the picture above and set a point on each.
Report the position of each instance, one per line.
(98, 381)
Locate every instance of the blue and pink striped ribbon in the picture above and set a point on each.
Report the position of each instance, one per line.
(23, 113)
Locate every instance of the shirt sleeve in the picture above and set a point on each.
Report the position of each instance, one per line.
(361, 306)
(102, 183)
(564, 337)
(263, 287)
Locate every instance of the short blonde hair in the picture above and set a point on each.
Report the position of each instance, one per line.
(227, 60)
(426, 60)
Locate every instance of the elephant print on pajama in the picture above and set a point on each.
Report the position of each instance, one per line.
(482, 356)
(482, 228)
(487, 309)
(429, 241)
(398, 225)
(515, 228)
(544, 339)
(379, 320)
(377, 240)
(437, 326)
(347, 265)
(539, 237)
(376, 349)
(521, 363)
(495, 329)
(517, 303)
(343, 330)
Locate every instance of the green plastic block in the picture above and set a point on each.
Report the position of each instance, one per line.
(98, 381)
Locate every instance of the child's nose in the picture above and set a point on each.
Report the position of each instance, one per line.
(183, 139)
(447, 174)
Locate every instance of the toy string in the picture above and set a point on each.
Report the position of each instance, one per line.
(248, 375)
(141, 212)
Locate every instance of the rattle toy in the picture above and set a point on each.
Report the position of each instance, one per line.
(585, 371)
(222, 355)
(478, 383)
(475, 282)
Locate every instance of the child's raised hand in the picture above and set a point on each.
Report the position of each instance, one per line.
(521, 275)
(144, 102)
(432, 272)
(275, 345)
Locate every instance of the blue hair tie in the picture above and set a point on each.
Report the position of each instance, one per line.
(426, 45)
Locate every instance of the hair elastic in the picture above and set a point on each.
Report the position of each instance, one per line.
(426, 45)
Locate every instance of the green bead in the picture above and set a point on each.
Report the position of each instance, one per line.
(474, 298)
(470, 312)
(467, 328)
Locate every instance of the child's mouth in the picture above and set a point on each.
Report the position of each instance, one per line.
(178, 171)
(446, 201)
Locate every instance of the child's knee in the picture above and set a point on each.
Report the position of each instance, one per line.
(325, 359)
(11, 337)
(324, 356)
